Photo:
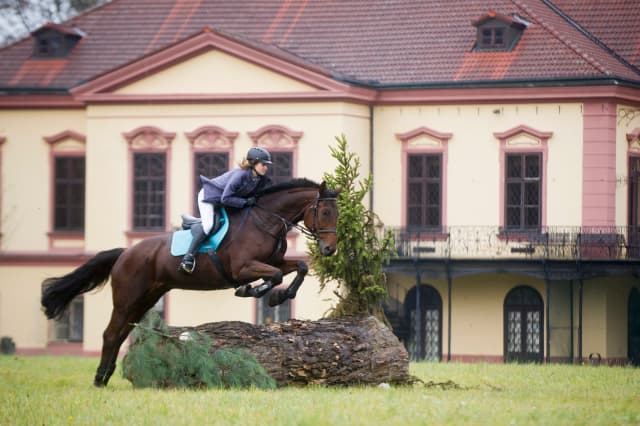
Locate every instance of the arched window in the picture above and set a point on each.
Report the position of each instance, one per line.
(423, 317)
(523, 325)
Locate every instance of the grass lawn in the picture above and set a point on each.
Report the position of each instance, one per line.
(58, 390)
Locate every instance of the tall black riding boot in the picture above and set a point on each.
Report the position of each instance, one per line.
(188, 263)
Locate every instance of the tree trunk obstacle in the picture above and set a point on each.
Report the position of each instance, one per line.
(337, 352)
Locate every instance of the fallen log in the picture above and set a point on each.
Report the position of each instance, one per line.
(342, 351)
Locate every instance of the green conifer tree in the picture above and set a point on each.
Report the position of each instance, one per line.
(363, 247)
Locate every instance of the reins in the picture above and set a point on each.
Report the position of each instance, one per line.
(314, 232)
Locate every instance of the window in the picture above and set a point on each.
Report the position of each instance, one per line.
(282, 168)
(209, 164)
(268, 314)
(69, 328)
(523, 191)
(69, 176)
(423, 320)
(424, 190)
(149, 191)
(492, 37)
(523, 325)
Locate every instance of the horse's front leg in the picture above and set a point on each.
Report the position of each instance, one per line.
(254, 270)
(280, 295)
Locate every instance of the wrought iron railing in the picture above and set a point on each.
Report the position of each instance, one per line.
(490, 242)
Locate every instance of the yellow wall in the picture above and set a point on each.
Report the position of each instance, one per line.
(26, 173)
(473, 158)
(214, 72)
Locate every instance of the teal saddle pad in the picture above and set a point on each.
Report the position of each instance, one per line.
(180, 240)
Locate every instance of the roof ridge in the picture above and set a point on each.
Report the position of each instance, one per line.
(564, 40)
(591, 36)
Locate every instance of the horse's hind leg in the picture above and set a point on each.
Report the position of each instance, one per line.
(120, 325)
(112, 338)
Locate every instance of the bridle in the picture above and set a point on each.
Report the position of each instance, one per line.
(313, 231)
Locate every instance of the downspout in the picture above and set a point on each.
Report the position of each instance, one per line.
(448, 264)
(548, 313)
(371, 155)
(571, 335)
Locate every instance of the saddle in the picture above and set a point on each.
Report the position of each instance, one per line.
(180, 240)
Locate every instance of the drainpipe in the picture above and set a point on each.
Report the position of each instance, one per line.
(371, 155)
(580, 291)
(448, 265)
(571, 337)
(547, 281)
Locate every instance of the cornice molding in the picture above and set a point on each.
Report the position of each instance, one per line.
(275, 135)
(537, 134)
(423, 130)
(144, 137)
(66, 134)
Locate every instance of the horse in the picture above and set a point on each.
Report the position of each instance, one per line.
(253, 249)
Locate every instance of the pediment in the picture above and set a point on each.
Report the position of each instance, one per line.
(211, 66)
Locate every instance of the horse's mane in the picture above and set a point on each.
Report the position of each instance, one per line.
(292, 184)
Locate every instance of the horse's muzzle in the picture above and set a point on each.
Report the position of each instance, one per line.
(326, 249)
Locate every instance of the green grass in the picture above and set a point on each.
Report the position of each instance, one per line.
(58, 391)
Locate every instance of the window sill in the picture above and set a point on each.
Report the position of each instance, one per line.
(66, 241)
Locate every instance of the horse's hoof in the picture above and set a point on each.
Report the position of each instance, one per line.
(262, 289)
(277, 297)
(243, 291)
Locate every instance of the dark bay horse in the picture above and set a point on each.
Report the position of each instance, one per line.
(253, 249)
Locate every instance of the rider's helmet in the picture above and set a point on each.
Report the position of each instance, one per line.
(259, 155)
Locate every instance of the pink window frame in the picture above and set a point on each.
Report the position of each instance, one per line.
(147, 139)
(53, 141)
(214, 139)
(441, 147)
(541, 147)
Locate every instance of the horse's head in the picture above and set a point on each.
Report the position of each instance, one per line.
(321, 218)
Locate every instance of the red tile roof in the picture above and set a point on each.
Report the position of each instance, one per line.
(376, 43)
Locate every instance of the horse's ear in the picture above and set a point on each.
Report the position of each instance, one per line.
(323, 188)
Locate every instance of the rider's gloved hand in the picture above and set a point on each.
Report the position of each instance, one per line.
(250, 201)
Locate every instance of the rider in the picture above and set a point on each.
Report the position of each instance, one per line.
(235, 188)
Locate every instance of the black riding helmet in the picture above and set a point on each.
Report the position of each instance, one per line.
(259, 155)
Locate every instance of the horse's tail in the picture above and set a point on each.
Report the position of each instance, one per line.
(58, 292)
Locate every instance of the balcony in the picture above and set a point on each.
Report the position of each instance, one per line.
(552, 243)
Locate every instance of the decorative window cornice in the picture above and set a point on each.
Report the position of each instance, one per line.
(274, 135)
(149, 137)
(438, 137)
(211, 137)
(65, 135)
(531, 136)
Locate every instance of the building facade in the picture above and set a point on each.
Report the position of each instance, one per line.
(503, 137)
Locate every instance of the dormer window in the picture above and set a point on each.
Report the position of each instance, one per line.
(498, 32)
(54, 41)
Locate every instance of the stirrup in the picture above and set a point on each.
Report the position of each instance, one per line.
(186, 266)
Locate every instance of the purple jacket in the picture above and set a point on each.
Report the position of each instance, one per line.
(233, 187)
